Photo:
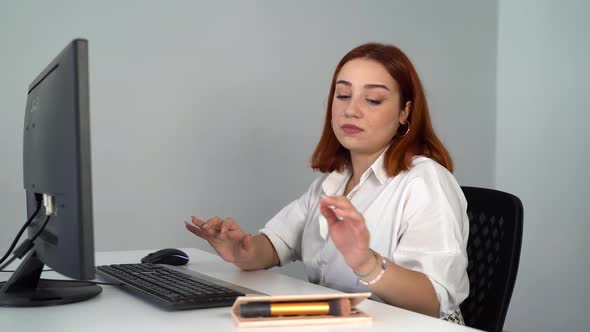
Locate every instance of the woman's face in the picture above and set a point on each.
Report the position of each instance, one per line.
(365, 109)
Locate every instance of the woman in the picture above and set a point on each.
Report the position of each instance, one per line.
(387, 216)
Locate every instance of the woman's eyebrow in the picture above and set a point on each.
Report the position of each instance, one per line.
(367, 86)
(377, 86)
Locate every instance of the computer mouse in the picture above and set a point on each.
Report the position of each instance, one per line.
(168, 256)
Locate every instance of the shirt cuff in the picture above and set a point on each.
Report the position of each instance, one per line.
(283, 251)
(443, 298)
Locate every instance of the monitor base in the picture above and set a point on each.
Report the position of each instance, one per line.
(25, 288)
(48, 293)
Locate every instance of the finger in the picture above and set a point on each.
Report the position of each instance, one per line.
(228, 225)
(224, 230)
(212, 221)
(332, 203)
(246, 242)
(326, 207)
(348, 214)
(329, 214)
(335, 201)
(341, 206)
(233, 232)
(212, 224)
(197, 222)
(195, 230)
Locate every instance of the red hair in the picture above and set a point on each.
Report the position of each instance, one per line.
(330, 155)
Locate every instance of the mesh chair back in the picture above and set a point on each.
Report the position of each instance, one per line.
(493, 249)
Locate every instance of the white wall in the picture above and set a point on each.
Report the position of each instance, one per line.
(542, 157)
(214, 107)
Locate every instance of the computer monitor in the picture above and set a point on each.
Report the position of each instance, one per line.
(57, 171)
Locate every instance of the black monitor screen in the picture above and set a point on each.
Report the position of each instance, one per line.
(57, 178)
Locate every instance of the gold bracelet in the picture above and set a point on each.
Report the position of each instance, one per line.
(372, 270)
(379, 276)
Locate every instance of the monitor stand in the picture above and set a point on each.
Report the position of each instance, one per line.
(25, 288)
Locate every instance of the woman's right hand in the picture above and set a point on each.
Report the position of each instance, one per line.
(225, 236)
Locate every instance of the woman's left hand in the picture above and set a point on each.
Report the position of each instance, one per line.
(347, 229)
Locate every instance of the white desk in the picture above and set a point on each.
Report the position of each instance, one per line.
(115, 310)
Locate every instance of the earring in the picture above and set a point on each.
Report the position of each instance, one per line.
(406, 123)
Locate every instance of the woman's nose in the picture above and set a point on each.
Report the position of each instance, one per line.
(353, 109)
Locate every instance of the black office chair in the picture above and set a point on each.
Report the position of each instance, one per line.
(493, 249)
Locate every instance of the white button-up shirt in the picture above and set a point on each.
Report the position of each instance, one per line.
(417, 219)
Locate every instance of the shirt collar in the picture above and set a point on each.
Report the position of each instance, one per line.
(378, 168)
(333, 182)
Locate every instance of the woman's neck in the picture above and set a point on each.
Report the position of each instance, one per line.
(360, 163)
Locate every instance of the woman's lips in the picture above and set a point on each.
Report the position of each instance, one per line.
(351, 129)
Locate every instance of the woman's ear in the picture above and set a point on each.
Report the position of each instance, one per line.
(405, 113)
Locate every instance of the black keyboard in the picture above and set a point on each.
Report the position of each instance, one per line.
(170, 288)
